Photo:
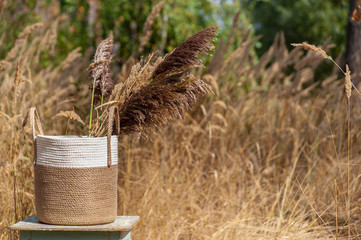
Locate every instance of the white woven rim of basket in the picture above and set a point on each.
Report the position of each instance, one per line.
(75, 151)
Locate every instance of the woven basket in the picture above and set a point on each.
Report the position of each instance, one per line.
(75, 178)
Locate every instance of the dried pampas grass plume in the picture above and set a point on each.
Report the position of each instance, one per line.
(185, 56)
(160, 90)
(99, 69)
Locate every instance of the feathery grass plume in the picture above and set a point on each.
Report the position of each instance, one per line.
(157, 104)
(147, 29)
(166, 92)
(139, 77)
(99, 70)
(318, 51)
(70, 115)
(185, 56)
(140, 74)
(99, 73)
(356, 15)
(348, 83)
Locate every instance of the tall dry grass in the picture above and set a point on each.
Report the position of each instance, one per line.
(272, 155)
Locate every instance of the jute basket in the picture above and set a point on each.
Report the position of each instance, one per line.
(75, 178)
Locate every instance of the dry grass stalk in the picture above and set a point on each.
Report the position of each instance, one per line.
(348, 83)
(147, 29)
(29, 29)
(18, 45)
(99, 70)
(322, 53)
(17, 82)
(69, 60)
(3, 63)
(222, 47)
(2, 6)
(317, 50)
(356, 14)
(49, 39)
(53, 35)
(70, 115)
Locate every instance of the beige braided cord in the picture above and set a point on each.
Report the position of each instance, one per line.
(34, 120)
(91, 195)
(112, 110)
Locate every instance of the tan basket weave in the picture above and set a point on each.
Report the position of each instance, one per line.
(75, 178)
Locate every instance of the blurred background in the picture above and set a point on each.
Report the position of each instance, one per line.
(84, 23)
(272, 154)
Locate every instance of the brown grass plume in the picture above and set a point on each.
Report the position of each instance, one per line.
(99, 70)
(159, 90)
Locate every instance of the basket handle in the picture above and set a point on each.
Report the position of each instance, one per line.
(34, 120)
(112, 111)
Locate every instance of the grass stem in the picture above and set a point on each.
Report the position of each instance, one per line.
(348, 166)
(91, 109)
(101, 108)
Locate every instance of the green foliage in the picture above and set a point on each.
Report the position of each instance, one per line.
(13, 20)
(179, 19)
(301, 20)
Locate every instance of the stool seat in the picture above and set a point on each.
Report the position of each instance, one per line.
(31, 229)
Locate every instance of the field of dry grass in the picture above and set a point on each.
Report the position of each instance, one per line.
(273, 154)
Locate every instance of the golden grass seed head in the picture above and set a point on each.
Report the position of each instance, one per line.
(310, 47)
(70, 115)
(348, 83)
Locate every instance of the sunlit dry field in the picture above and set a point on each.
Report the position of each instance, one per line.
(273, 153)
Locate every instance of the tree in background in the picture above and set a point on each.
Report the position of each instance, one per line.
(353, 45)
(92, 20)
(300, 20)
(85, 22)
